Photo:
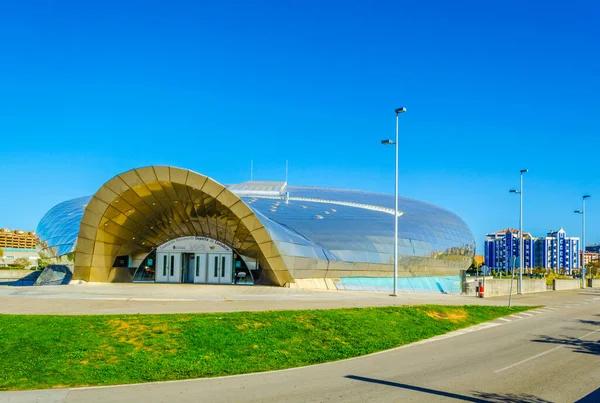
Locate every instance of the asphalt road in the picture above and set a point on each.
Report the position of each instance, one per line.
(550, 354)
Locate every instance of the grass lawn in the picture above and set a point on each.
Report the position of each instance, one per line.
(60, 351)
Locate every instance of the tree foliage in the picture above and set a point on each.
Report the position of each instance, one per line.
(21, 262)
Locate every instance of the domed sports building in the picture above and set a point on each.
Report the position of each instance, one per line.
(162, 224)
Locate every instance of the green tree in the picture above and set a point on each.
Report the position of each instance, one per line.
(474, 268)
(42, 263)
(593, 268)
(21, 263)
(539, 271)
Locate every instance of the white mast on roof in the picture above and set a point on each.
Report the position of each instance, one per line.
(287, 171)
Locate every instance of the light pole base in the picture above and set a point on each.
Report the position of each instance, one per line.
(393, 295)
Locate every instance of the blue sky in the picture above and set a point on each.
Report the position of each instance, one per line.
(92, 89)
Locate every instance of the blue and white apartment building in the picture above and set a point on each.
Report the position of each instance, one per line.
(502, 250)
(556, 251)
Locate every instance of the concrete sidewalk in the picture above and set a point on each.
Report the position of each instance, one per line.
(103, 298)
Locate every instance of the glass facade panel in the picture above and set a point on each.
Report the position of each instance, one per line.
(59, 227)
(312, 225)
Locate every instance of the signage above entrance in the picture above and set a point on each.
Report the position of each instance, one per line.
(194, 244)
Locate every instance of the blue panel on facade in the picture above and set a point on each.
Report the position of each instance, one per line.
(442, 284)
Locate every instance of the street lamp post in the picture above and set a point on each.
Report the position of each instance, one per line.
(395, 143)
(521, 257)
(582, 212)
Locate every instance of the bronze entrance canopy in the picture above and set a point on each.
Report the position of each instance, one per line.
(140, 209)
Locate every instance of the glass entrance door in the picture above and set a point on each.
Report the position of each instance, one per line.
(219, 268)
(168, 268)
(188, 265)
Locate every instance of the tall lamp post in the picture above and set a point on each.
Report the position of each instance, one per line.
(582, 212)
(521, 259)
(395, 143)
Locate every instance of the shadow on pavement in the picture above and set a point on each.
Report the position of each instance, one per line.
(591, 398)
(510, 397)
(577, 345)
(478, 397)
(590, 322)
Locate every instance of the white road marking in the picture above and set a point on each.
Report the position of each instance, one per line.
(554, 309)
(542, 354)
(504, 319)
(515, 316)
(526, 314)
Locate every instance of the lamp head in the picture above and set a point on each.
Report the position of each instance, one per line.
(402, 109)
(577, 212)
(524, 171)
(388, 142)
(586, 197)
(513, 191)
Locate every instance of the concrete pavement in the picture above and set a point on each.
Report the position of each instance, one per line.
(103, 298)
(551, 354)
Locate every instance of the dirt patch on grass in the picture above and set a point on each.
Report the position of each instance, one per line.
(136, 334)
(305, 321)
(457, 315)
(253, 325)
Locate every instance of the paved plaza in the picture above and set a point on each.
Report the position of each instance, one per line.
(104, 298)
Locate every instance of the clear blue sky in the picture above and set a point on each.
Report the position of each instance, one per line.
(92, 89)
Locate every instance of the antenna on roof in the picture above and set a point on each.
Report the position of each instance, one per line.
(251, 168)
(287, 169)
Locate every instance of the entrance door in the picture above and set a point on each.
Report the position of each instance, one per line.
(162, 268)
(200, 268)
(187, 264)
(168, 268)
(219, 268)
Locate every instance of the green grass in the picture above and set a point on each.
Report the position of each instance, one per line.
(60, 351)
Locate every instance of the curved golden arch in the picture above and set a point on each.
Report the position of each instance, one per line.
(142, 208)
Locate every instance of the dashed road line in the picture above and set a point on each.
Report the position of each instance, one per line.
(543, 353)
(504, 319)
